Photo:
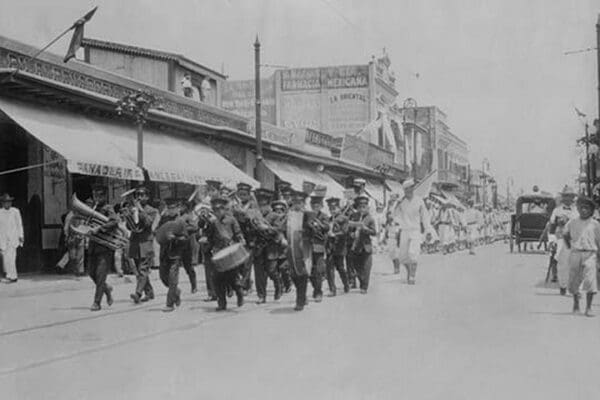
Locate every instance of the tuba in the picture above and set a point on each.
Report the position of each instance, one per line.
(114, 240)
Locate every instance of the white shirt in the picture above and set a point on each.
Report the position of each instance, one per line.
(11, 228)
(410, 214)
(565, 214)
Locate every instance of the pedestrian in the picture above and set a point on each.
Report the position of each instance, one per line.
(582, 236)
(244, 208)
(100, 256)
(561, 214)
(411, 216)
(11, 237)
(336, 246)
(141, 244)
(362, 245)
(207, 192)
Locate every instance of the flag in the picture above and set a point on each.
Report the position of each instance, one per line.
(78, 34)
(423, 188)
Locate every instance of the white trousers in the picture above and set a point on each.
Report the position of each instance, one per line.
(9, 261)
(562, 263)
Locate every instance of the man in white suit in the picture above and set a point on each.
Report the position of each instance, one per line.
(11, 237)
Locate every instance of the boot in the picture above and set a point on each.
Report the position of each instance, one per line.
(240, 298)
(95, 307)
(277, 295)
(135, 297)
(109, 298)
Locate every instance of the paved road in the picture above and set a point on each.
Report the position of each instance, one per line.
(474, 327)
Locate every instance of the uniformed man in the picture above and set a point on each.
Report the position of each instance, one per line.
(141, 248)
(300, 248)
(445, 228)
(172, 251)
(285, 192)
(318, 227)
(264, 244)
(100, 256)
(242, 206)
(473, 220)
(559, 218)
(187, 259)
(212, 189)
(336, 246)
(362, 245)
(222, 230)
(353, 216)
(278, 249)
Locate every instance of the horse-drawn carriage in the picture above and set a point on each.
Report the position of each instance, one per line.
(528, 223)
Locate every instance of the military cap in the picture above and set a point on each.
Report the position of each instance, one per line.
(361, 199)
(262, 193)
(6, 197)
(359, 182)
(279, 204)
(243, 186)
(299, 195)
(316, 199)
(218, 201)
(334, 201)
(213, 184)
(282, 185)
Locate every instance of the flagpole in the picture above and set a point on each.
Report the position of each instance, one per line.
(56, 39)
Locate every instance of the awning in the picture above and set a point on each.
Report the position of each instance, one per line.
(375, 190)
(296, 176)
(104, 148)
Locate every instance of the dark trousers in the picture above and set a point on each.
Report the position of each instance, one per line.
(350, 269)
(265, 269)
(317, 272)
(363, 263)
(224, 280)
(142, 274)
(98, 270)
(336, 262)
(186, 260)
(169, 275)
(301, 283)
(285, 273)
(209, 274)
(246, 271)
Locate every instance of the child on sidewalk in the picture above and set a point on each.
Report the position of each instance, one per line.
(582, 236)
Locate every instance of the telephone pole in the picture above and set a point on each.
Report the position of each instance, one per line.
(258, 126)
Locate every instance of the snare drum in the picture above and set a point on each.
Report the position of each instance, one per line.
(230, 257)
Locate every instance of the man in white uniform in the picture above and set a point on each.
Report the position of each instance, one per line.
(559, 218)
(409, 216)
(474, 221)
(11, 237)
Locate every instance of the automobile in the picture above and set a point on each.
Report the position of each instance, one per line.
(529, 221)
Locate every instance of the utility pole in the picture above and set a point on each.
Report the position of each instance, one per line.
(593, 158)
(588, 163)
(258, 127)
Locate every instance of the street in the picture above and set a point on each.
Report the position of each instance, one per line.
(473, 327)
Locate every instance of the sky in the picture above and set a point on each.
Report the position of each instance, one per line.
(496, 68)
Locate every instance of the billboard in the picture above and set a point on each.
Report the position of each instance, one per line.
(348, 110)
(301, 110)
(238, 97)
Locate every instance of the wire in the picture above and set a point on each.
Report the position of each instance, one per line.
(566, 53)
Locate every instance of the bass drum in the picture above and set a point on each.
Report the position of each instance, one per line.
(230, 257)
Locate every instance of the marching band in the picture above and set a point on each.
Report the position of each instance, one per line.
(273, 233)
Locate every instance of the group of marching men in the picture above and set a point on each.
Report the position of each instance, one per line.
(289, 242)
(457, 227)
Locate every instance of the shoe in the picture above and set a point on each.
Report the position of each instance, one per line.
(563, 291)
(135, 297)
(229, 293)
(332, 294)
(209, 299)
(277, 294)
(261, 300)
(346, 289)
(363, 291)
(589, 313)
(298, 307)
(147, 298)
(194, 290)
(95, 307)
(8, 281)
(221, 308)
(318, 298)
(287, 289)
(240, 300)
(109, 298)
(168, 309)
(411, 282)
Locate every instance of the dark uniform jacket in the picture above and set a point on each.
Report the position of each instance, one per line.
(110, 226)
(338, 236)
(363, 244)
(318, 226)
(275, 250)
(140, 242)
(223, 232)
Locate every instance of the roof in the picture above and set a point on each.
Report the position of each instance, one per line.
(150, 53)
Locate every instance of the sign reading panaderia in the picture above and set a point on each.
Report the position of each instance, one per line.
(108, 171)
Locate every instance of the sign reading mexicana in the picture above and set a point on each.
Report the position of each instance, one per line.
(325, 78)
